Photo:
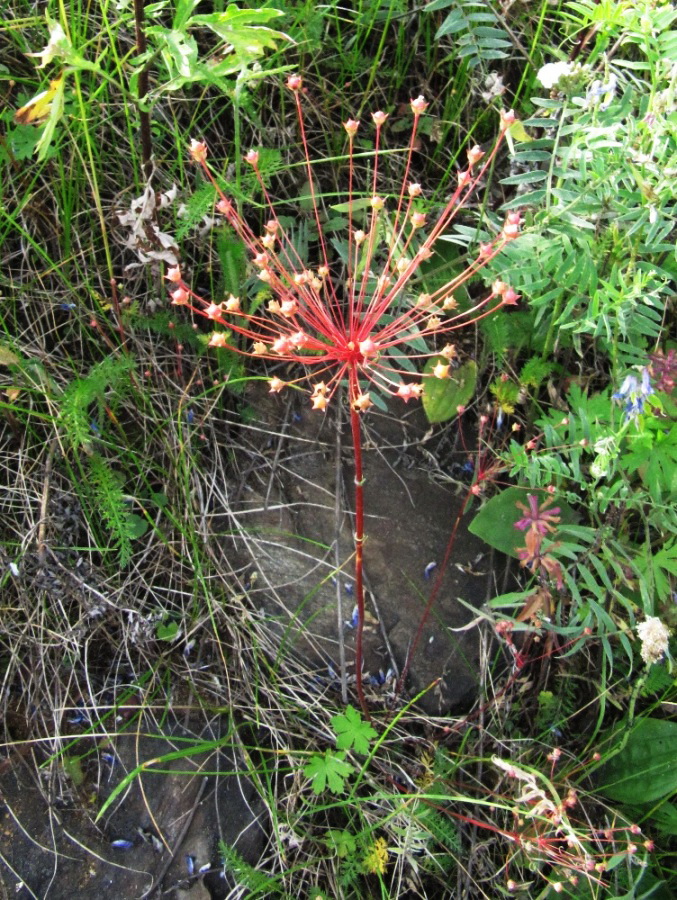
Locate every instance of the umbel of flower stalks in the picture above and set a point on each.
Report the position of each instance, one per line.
(365, 319)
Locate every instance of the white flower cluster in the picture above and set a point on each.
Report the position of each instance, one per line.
(550, 74)
(654, 636)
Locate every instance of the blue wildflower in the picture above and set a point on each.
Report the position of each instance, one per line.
(634, 392)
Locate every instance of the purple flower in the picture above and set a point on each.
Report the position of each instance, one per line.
(634, 393)
(538, 519)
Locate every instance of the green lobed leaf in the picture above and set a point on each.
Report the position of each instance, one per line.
(328, 771)
(352, 731)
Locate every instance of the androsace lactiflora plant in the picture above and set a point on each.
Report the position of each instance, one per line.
(359, 319)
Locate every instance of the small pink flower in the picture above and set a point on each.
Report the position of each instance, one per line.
(300, 340)
(351, 127)
(363, 402)
(368, 348)
(294, 82)
(475, 154)
(180, 296)
(409, 391)
(252, 157)
(538, 518)
(289, 308)
(414, 190)
(508, 118)
(417, 220)
(283, 346)
(174, 274)
(419, 105)
(276, 384)
(510, 298)
(219, 339)
(198, 150)
(213, 311)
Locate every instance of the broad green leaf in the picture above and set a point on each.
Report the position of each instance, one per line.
(645, 769)
(443, 396)
(352, 731)
(328, 771)
(665, 818)
(495, 522)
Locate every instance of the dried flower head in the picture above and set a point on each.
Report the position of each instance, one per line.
(366, 325)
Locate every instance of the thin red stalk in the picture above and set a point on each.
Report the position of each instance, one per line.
(356, 431)
(311, 185)
(433, 593)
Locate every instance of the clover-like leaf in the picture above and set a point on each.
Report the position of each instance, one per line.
(330, 770)
(352, 731)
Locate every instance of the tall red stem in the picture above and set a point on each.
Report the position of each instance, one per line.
(433, 594)
(356, 431)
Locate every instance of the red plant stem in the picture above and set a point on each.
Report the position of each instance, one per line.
(433, 593)
(356, 431)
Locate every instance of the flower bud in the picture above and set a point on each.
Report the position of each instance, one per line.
(475, 154)
(252, 157)
(198, 150)
(419, 105)
(508, 118)
(379, 118)
(414, 190)
(351, 127)
(294, 82)
(219, 339)
(180, 296)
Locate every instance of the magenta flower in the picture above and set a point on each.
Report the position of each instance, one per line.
(538, 519)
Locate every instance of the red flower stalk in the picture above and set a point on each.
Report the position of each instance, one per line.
(364, 322)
